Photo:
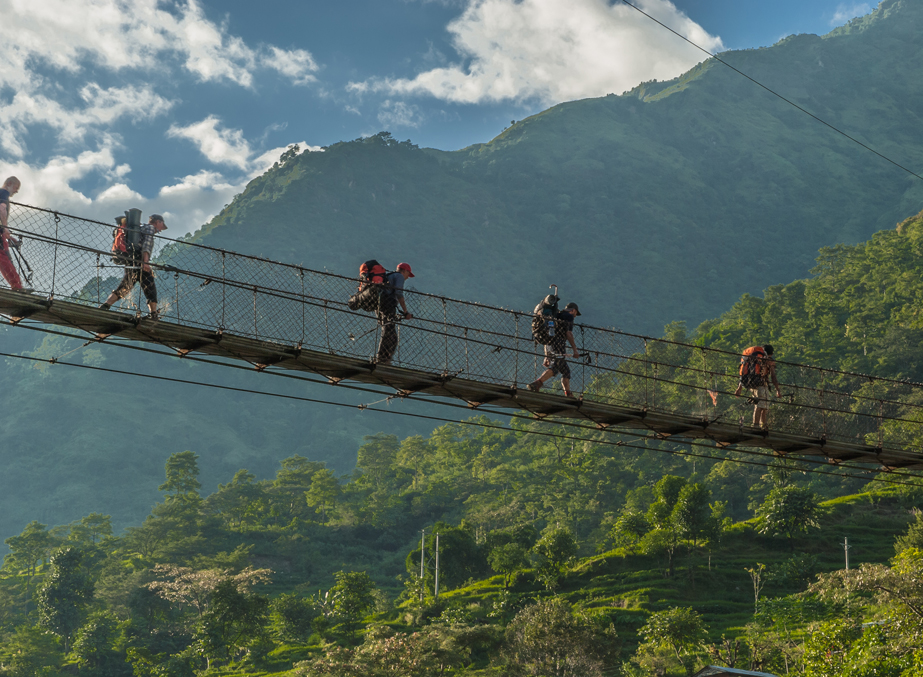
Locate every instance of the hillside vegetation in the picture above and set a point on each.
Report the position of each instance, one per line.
(606, 559)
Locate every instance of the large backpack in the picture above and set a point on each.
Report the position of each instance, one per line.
(126, 241)
(753, 367)
(543, 319)
(371, 272)
(373, 280)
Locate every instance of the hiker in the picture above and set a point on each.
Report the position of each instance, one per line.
(392, 294)
(143, 273)
(555, 361)
(7, 268)
(757, 370)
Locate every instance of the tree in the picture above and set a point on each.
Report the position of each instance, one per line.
(788, 510)
(629, 528)
(193, 589)
(353, 596)
(234, 501)
(182, 476)
(94, 647)
(31, 650)
(553, 551)
(678, 630)
(898, 588)
(30, 547)
(507, 559)
(665, 537)
(67, 591)
(547, 639)
(234, 619)
(324, 492)
(91, 529)
(912, 539)
(288, 489)
(292, 617)
(692, 512)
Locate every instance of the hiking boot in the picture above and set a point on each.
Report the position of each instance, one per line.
(568, 393)
(153, 315)
(104, 306)
(535, 386)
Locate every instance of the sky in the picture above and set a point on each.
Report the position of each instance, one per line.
(173, 106)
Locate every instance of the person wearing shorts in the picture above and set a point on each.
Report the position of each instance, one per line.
(760, 394)
(140, 270)
(555, 362)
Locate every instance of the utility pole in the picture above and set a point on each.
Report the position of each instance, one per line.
(846, 547)
(436, 593)
(422, 559)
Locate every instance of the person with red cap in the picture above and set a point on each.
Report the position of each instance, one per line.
(392, 294)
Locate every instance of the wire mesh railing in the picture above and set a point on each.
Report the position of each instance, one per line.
(283, 304)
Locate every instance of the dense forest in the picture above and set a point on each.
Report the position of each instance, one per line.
(556, 556)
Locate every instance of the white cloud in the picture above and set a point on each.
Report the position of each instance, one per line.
(399, 114)
(70, 70)
(140, 34)
(297, 64)
(188, 204)
(103, 108)
(554, 51)
(221, 146)
(846, 12)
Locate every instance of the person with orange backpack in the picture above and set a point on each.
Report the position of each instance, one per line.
(136, 258)
(757, 371)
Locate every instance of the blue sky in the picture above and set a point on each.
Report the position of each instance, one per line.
(173, 105)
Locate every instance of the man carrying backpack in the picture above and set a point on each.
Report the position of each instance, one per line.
(556, 352)
(140, 270)
(392, 294)
(757, 370)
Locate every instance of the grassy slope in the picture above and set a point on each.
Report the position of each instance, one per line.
(627, 587)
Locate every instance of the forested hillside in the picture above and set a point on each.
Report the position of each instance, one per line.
(609, 555)
(660, 205)
(665, 203)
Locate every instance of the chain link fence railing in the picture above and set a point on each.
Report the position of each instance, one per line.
(204, 287)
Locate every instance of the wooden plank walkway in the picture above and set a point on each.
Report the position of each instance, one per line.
(604, 415)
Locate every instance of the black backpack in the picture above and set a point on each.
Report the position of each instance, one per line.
(543, 319)
(126, 241)
(373, 280)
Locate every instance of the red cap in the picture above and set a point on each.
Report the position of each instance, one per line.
(405, 266)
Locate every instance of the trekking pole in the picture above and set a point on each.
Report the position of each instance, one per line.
(20, 260)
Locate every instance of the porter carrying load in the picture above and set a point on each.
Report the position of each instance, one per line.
(373, 278)
(126, 241)
(543, 318)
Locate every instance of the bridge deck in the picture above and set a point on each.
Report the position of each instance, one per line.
(605, 415)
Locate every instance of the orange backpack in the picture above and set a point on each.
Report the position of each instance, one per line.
(753, 367)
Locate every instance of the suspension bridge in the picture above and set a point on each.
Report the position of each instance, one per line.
(276, 316)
